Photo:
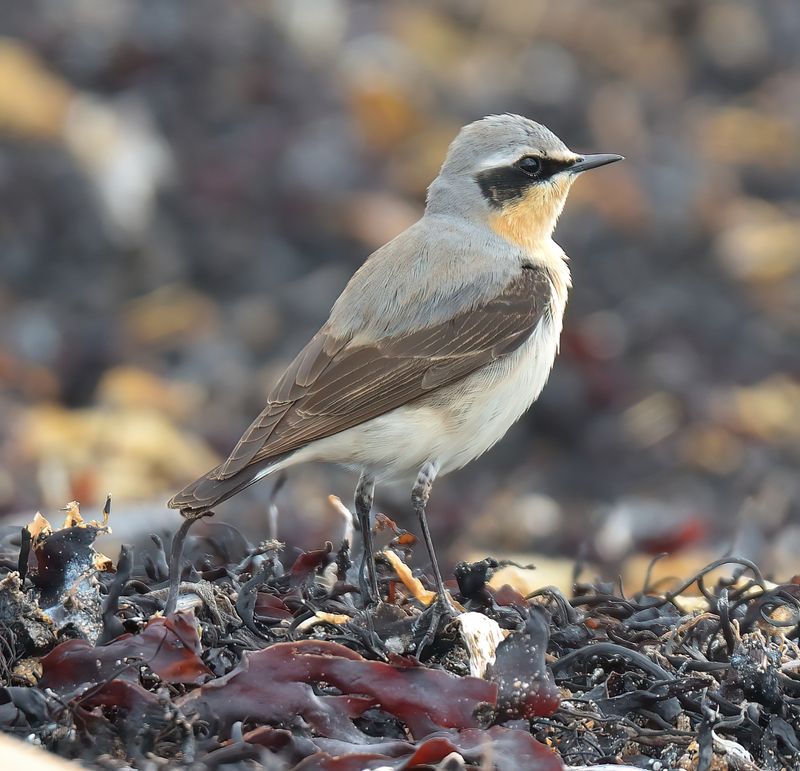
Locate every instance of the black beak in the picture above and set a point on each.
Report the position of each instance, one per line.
(594, 162)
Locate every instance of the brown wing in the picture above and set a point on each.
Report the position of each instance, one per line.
(333, 385)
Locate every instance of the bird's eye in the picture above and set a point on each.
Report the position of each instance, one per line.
(530, 165)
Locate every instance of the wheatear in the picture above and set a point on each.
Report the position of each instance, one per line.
(440, 341)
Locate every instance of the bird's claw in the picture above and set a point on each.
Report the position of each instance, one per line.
(436, 616)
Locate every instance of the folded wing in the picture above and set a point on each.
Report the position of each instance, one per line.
(332, 385)
(335, 384)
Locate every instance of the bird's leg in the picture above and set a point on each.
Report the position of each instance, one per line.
(419, 499)
(363, 501)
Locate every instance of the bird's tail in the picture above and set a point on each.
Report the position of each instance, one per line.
(209, 490)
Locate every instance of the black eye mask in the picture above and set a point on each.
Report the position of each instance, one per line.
(504, 184)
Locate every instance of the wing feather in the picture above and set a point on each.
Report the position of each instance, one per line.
(334, 384)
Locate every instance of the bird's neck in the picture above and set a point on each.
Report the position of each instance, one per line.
(529, 225)
(537, 243)
(529, 222)
(516, 229)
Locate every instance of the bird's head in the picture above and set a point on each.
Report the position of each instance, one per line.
(512, 173)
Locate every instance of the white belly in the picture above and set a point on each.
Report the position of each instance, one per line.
(453, 425)
(495, 398)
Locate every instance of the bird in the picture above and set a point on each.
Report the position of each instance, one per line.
(438, 344)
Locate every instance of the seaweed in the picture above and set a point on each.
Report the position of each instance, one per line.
(225, 655)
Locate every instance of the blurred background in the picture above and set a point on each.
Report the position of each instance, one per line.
(186, 188)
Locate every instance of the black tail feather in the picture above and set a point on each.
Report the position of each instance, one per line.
(205, 493)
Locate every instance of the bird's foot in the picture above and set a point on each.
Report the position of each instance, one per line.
(369, 598)
(368, 584)
(433, 619)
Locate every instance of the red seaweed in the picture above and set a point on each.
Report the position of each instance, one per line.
(269, 608)
(169, 646)
(525, 686)
(502, 749)
(310, 562)
(274, 685)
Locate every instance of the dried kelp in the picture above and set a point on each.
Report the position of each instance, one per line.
(285, 665)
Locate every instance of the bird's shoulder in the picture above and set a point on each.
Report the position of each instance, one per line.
(431, 272)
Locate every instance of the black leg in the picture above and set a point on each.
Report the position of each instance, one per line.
(363, 501)
(419, 498)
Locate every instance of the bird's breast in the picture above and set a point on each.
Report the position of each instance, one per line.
(481, 408)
